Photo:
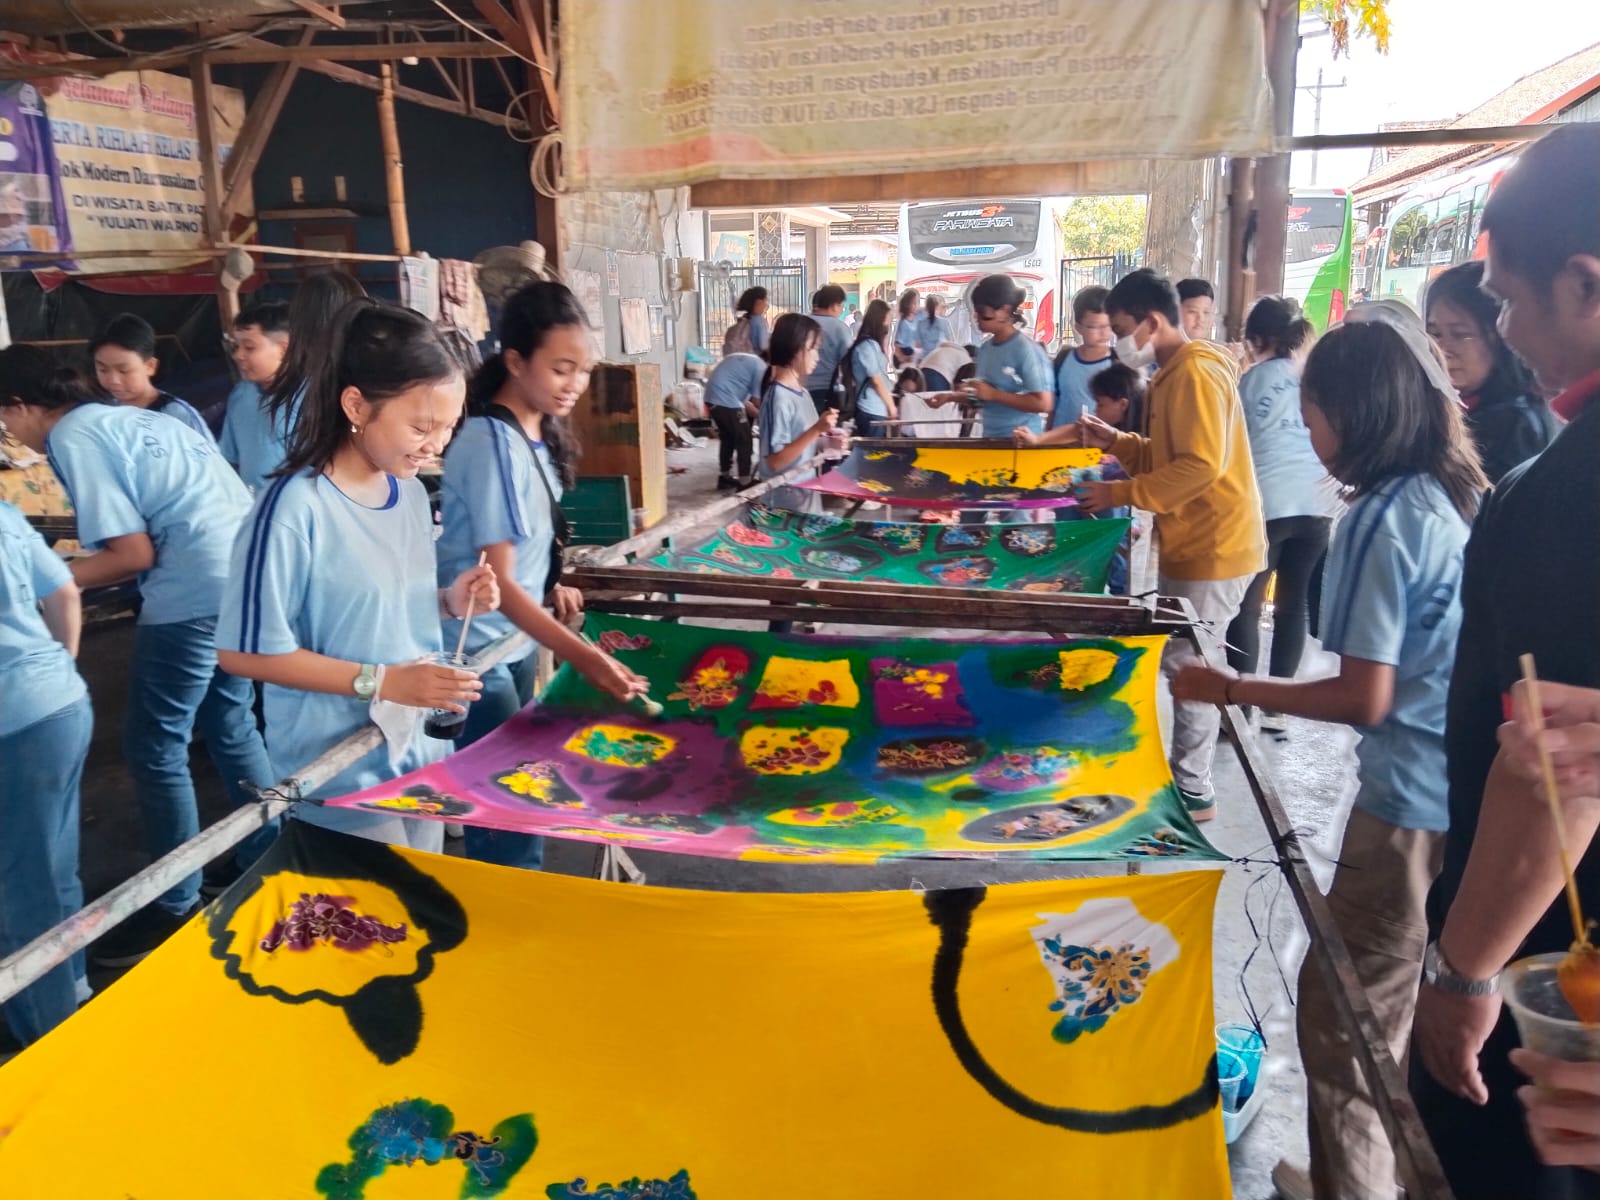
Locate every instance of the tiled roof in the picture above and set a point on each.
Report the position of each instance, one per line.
(1527, 100)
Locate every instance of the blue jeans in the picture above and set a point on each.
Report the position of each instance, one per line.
(177, 691)
(40, 770)
(507, 687)
(1117, 573)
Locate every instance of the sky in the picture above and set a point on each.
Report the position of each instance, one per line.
(1445, 57)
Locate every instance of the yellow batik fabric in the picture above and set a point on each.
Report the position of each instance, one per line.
(356, 1022)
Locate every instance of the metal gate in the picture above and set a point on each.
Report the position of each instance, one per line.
(786, 292)
(1079, 273)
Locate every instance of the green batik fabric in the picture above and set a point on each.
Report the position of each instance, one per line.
(1062, 556)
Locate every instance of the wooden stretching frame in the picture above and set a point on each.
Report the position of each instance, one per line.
(613, 585)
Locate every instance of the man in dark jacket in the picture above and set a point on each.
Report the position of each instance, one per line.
(1531, 584)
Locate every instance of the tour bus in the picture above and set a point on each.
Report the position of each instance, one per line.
(1434, 227)
(947, 246)
(1317, 252)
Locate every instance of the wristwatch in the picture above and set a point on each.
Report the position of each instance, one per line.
(1438, 973)
(365, 684)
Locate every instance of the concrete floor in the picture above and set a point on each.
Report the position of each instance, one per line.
(1256, 920)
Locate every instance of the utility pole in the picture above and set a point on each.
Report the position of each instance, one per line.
(1316, 119)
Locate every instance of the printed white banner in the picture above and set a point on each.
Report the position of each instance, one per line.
(656, 94)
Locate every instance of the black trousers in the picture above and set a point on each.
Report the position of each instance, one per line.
(733, 436)
(1296, 548)
(1486, 1152)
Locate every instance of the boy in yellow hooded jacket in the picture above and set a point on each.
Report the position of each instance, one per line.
(1191, 467)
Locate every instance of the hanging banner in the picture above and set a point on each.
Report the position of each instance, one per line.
(657, 94)
(128, 158)
(32, 211)
(356, 1022)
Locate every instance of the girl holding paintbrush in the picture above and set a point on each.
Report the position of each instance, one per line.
(1386, 423)
(504, 477)
(332, 601)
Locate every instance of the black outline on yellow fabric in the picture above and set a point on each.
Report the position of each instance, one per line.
(385, 1013)
(951, 913)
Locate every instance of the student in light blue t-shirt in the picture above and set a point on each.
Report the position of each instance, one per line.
(756, 334)
(934, 329)
(156, 502)
(733, 394)
(1076, 365)
(1012, 385)
(1391, 612)
(316, 304)
(867, 368)
(1295, 493)
(253, 439)
(125, 366)
(331, 601)
(905, 329)
(45, 727)
(834, 343)
(790, 427)
(503, 479)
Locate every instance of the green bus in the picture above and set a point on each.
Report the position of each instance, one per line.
(1316, 254)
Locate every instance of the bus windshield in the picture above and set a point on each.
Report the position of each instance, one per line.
(1316, 227)
(947, 246)
(1316, 255)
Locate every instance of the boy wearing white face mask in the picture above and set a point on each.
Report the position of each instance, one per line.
(1191, 467)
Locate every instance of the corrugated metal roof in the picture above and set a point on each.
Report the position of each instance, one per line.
(1525, 101)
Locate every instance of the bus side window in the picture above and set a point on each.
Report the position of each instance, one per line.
(1480, 197)
(1444, 242)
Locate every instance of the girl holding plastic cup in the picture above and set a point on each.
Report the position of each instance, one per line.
(332, 601)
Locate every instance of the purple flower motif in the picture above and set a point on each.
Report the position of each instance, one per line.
(331, 919)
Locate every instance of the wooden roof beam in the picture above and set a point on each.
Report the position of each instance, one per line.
(366, 52)
(541, 58)
(322, 12)
(256, 50)
(506, 26)
(257, 128)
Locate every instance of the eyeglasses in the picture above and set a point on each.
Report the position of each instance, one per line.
(1448, 340)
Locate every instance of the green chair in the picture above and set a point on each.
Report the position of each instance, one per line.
(599, 510)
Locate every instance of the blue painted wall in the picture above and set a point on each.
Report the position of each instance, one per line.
(467, 184)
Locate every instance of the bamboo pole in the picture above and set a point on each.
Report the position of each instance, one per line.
(393, 170)
(211, 185)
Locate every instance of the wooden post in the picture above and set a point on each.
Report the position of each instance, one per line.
(1272, 174)
(546, 210)
(394, 172)
(1241, 278)
(213, 221)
